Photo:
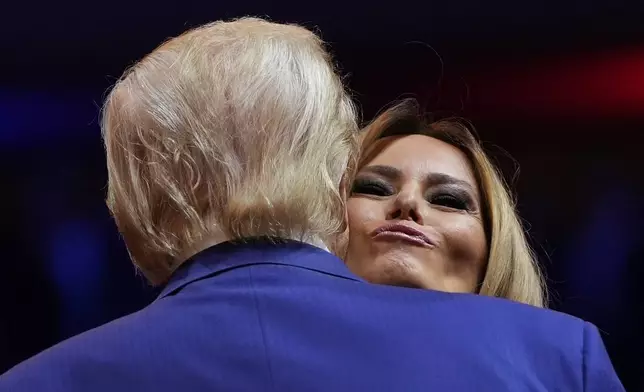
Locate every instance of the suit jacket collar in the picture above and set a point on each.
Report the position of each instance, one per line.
(229, 255)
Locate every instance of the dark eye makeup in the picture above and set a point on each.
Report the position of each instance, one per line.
(449, 197)
(368, 186)
(456, 199)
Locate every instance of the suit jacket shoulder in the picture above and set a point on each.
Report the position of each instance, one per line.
(292, 317)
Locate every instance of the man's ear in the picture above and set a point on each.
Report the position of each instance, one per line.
(345, 190)
(340, 243)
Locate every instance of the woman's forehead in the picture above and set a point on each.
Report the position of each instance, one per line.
(419, 155)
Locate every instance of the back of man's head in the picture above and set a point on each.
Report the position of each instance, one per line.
(241, 128)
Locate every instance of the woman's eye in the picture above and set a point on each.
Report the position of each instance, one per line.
(449, 201)
(366, 187)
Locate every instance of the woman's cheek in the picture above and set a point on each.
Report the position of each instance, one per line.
(361, 212)
(465, 239)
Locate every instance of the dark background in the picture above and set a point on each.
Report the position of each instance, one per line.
(556, 88)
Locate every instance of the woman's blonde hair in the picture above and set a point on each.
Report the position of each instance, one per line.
(242, 127)
(512, 270)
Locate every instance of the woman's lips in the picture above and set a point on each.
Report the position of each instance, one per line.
(403, 232)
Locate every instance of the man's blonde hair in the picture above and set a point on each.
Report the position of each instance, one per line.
(242, 127)
(512, 270)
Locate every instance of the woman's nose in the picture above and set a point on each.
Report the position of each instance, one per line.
(408, 205)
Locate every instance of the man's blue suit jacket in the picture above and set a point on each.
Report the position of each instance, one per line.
(291, 317)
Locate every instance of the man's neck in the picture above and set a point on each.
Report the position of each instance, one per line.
(317, 242)
(219, 237)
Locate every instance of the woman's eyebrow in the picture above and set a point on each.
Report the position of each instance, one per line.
(389, 172)
(446, 179)
(431, 179)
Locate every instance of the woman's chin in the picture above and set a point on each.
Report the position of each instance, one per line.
(397, 269)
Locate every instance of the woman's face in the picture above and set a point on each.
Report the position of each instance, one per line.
(415, 218)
